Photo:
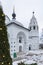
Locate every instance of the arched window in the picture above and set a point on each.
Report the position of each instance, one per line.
(20, 48)
(20, 39)
(29, 47)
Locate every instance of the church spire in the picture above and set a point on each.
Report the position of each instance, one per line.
(13, 15)
(33, 17)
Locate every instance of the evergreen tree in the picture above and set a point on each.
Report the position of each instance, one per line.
(5, 58)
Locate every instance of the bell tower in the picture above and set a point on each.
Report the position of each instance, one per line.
(34, 33)
(33, 26)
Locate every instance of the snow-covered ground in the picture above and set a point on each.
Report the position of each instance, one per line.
(25, 61)
(35, 56)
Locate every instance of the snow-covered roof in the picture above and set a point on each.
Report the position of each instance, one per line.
(7, 19)
(33, 21)
(15, 21)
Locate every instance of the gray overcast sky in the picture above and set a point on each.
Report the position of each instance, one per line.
(24, 9)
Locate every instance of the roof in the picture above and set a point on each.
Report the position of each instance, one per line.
(17, 23)
(13, 21)
(33, 21)
(7, 17)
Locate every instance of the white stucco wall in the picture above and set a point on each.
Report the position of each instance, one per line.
(13, 31)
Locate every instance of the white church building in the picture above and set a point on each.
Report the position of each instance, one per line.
(22, 39)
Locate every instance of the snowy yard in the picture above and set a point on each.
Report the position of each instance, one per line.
(31, 57)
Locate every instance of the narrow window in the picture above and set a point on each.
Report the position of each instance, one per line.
(29, 48)
(34, 27)
(37, 27)
(20, 39)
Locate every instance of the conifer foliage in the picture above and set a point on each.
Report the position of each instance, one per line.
(5, 58)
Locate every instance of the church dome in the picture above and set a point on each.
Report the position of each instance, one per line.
(14, 18)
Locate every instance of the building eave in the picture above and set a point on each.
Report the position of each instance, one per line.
(17, 25)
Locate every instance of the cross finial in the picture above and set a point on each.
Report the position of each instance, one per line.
(13, 9)
(33, 12)
(14, 15)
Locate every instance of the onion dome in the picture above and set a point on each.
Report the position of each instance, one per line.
(13, 15)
